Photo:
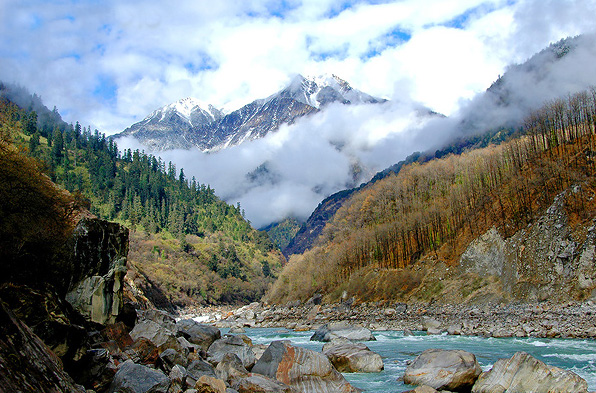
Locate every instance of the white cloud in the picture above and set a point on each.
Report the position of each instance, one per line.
(109, 64)
(154, 51)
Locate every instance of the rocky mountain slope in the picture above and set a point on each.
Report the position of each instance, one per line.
(167, 127)
(189, 123)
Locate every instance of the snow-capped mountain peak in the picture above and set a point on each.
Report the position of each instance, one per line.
(192, 123)
(320, 90)
(187, 108)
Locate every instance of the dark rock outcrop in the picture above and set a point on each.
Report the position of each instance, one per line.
(99, 252)
(27, 364)
(53, 320)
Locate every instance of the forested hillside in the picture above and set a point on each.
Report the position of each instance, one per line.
(432, 211)
(186, 241)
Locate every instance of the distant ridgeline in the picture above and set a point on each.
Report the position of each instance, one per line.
(185, 225)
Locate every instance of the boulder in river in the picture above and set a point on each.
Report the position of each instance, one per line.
(351, 357)
(330, 331)
(453, 370)
(524, 373)
(302, 369)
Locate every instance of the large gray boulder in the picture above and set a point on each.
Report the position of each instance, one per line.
(333, 330)
(197, 333)
(230, 367)
(453, 370)
(161, 337)
(302, 369)
(524, 373)
(135, 378)
(198, 368)
(351, 357)
(231, 344)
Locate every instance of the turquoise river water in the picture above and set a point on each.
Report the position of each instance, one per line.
(578, 356)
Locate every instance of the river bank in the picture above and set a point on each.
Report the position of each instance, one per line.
(541, 320)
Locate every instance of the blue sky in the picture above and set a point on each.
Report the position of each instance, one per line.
(110, 63)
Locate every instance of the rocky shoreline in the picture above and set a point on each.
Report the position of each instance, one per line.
(541, 320)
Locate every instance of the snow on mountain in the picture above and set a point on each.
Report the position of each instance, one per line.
(321, 90)
(189, 109)
(189, 122)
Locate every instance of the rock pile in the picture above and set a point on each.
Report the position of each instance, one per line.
(164, 355)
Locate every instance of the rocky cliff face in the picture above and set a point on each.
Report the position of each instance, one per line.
(549, 260)
(99, 265)
(47, 331)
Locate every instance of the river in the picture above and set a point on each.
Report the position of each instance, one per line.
(577, 355)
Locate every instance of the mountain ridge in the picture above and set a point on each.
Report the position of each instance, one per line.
(191, 123)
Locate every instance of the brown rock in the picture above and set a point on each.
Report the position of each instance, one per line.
(301, 369)
(257, 383)
(207, 384)
(118, 332)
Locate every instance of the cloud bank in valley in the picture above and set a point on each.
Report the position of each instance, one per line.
(288, 172)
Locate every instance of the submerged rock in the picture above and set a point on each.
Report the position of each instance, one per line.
(524, 373)
(453, 370)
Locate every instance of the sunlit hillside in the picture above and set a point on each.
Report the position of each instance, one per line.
(383, 242)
